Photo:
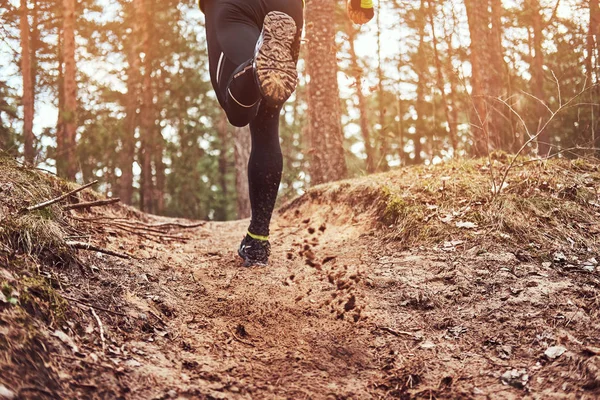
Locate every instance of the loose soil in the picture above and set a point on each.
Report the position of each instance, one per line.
(342, 312)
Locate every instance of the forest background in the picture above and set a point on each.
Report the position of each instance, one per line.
(119, 91)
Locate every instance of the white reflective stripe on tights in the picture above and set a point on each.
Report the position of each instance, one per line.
(243, 105)
(219, 66)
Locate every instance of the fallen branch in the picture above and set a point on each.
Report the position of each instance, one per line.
(60, 198)
(91, 247)
(398, 333)
(99, 308)
(91, 204)
(165, 225)
(157, 317)
(101, 328)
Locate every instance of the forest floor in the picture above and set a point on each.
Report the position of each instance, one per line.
(411, 284)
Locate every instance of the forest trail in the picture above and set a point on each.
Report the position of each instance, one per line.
(341, 313)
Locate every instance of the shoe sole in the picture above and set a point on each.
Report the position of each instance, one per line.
(274, 64)
(249, 263)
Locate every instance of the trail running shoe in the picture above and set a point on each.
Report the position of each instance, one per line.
(254, 252)
(275, 58)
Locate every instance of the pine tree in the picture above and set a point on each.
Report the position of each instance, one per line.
(28, 86)
(66, 162)
(356, 72)
(327, 161)
(127, 154)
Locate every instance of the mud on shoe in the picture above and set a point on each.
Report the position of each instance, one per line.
(254, 252)
(275, 58)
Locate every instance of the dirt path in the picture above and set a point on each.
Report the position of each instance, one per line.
(340, 314)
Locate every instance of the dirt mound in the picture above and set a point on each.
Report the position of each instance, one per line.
(419, 283)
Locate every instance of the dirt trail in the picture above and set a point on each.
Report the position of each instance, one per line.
(344, 311)
(340, 314)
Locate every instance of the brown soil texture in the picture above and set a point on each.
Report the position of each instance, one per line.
(340, 313)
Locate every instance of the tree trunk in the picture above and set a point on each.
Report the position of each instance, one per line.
(479, 17)
(70, 91)
(242, 145)
(127, 155)
(592, 41)
(327, 162)
(146, 113)
(591, 70)
(498, 80)
(159, 168)
(382, 164)
(537, 78)
(442, 82)
(420, 103)
(362, 107)
(400, 130)
(28, 90)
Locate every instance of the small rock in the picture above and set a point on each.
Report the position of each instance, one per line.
(7, 276)
(560, 257)
(66, 339)
(172, 393)
(6, 393)
(427, 345)
(588, 267)
(133, 363)
(517, 378)
(554, 352)
(547, 264)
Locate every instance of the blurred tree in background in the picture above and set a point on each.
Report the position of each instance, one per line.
(118, 90)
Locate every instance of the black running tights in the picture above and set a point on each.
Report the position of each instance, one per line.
(232, 30)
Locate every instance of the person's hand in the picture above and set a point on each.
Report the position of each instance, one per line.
(360, 11)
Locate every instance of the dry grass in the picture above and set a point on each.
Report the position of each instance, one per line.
(547, 205)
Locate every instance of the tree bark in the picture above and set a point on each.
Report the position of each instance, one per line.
(537, 78)
(362, 107)
(159, 169)
(592, 71)
(146, 113)
(442, 82)
(498, 80)
(382, 164)
(327, 162)
(28, 89)
(479, 18)
(242, 146)
(127, 154)
(420, 103)
(69, 113)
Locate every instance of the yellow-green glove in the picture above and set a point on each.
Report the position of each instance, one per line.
(360, 11)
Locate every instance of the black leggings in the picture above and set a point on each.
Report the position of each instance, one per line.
(232, 30)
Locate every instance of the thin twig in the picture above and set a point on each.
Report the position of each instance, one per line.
(157, 317)
(91, 247)
(99, 308)
(60, 198)
(91, 204)
(101, 328)
(146, 225)
(531, 137)
(397, 333)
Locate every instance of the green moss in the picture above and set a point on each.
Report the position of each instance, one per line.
(395, 208)
(38, 289)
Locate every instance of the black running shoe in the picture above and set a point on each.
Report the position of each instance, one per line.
(275, 58)
(254, 252)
